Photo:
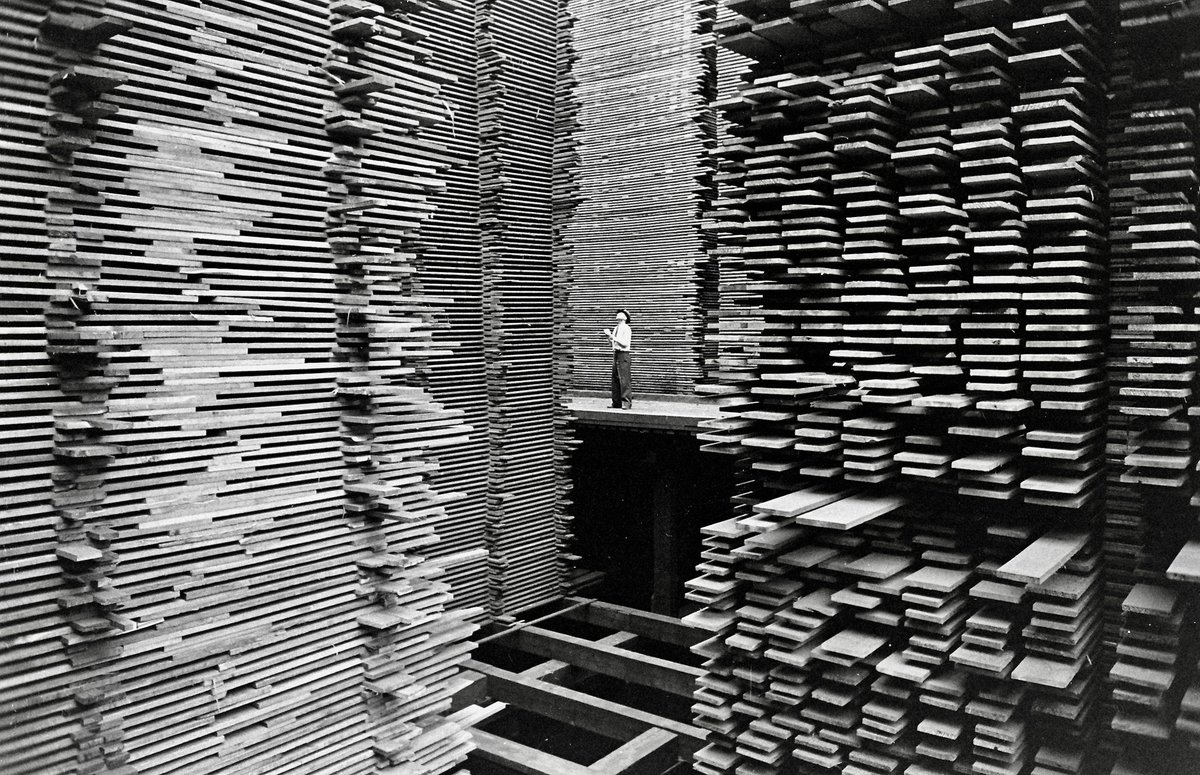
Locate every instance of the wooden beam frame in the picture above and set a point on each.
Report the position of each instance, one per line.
(647, 744)
(558, 672)
(580, 709)
(626, 665)
(665, 629)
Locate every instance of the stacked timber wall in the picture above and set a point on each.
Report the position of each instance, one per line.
(451, 271)
(646, 80)
(963, 387)
(1153, 507)
(518, 74)
(245, 393)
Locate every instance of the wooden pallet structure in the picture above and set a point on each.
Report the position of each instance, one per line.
(536, 676)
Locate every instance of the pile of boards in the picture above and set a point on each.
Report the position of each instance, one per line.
(645, 78)
(449, 269)
(959, 374)
(517, 73)
(219, 518)
(1155, 276)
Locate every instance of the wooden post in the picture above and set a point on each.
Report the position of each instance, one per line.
(666, 508)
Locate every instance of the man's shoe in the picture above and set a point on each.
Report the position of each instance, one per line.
(627, 405)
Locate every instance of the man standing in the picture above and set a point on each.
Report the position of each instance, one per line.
(621, 338)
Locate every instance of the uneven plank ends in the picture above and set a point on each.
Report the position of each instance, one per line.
(957, 255)
(1154, 512)
(216, 552)
(387, 419)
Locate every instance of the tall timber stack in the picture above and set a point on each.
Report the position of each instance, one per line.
(646, 80)
(39, 710)
(931, 574)
(380, 183)
(565, 200)
(1152, 542)
(728, 318)
(215, 548)
(449, 267)
(517, 81)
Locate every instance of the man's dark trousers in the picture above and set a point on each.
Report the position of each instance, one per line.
(622, 390)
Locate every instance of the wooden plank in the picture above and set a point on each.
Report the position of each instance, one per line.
(650, 753)
(851, 512)
(1041, 559)
(1186, 565)
(800, 502)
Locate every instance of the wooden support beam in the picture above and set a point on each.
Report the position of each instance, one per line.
(522, 758)
(556, 671)
(650, 753)
(553, 671)
(579, 709)
(617, 639)
(664, 629)
(616, 662)
(472, 693)
(666, 508)
(498, 630)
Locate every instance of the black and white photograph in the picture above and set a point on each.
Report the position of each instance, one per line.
(599, 387)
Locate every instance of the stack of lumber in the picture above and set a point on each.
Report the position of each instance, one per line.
(218, 562)
(1145, 671)
(564, 199)
(517, 77)
(928, 209)
(1154, 513)
(40, 710)
(860, 633)
(918, 193)
(645, 84)
(414, 647)
(448, 267)
(723, 220)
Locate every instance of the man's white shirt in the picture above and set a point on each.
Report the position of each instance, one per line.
(622, 337)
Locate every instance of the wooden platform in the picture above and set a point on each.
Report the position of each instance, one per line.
(657, 413)
(561, 687)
